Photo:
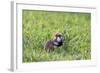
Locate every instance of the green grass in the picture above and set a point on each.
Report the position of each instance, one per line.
(40, 26)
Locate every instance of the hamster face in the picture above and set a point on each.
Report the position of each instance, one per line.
(59, 38)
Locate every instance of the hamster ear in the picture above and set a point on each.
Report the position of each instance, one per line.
(54, 37)
(57, 34)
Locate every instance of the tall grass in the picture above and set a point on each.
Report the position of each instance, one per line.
(40, 26)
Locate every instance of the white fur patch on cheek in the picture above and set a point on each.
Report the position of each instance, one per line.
(55, 43)
(58, 39)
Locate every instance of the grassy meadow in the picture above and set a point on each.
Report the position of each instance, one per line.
(40, 26)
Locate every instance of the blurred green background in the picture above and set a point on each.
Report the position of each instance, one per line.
(40, 26)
